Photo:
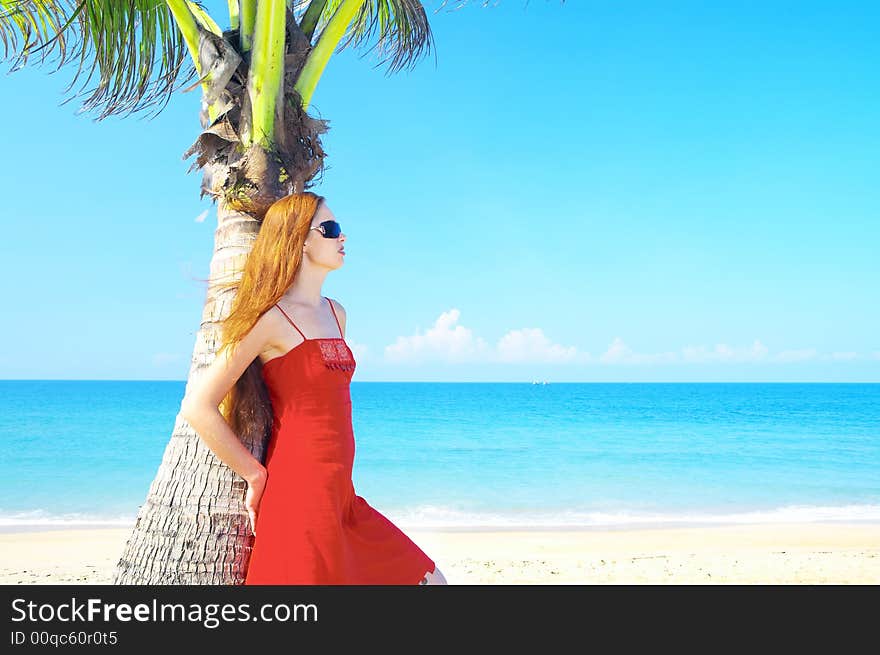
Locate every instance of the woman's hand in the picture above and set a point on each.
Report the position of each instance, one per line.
(252, 498)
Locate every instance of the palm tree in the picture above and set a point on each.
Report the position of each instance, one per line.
(257, 144)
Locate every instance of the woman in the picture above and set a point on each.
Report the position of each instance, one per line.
(285, 368)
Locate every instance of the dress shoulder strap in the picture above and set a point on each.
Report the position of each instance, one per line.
(289, 321)
(335, 316)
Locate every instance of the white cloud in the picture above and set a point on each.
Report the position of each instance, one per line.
(444, 340)
(360, 351)
(841, 356)
(619, 353)
(201, 217)
(724, 353)
(801, 355)
(532, 345)
(449, 341)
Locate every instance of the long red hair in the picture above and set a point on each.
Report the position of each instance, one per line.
(269, 270)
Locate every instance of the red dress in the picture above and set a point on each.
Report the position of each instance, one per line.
(311, 526)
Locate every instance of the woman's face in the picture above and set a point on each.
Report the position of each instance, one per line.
(320, 249)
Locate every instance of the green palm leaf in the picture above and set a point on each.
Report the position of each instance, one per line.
(135, 46)
(400, 27)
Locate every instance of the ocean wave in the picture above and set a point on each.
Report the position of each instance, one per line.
(442, 517)
(39, 518)
(434, 516)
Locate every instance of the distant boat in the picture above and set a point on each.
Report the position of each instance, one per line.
(540, 382)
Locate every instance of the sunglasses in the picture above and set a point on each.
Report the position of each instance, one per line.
(330, 229)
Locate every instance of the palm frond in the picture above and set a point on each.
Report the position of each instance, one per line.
(401, 27)
(134, 45)
(310, 19)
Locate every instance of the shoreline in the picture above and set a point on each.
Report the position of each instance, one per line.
(782, 553)
(563, 527)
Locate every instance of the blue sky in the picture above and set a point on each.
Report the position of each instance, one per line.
(589, 191)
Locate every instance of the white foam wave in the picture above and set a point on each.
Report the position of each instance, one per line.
(433, 516)
(39, 518)
(441, 517)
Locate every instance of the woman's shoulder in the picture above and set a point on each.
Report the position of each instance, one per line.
(336, 305)
(340, 314)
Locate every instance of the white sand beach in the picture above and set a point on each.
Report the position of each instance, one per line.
(814, 553)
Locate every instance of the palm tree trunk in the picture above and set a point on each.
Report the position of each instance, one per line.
(192, 527)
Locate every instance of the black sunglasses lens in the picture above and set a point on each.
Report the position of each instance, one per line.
(331, 229)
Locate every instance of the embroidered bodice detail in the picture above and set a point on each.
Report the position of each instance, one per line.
(336, 355)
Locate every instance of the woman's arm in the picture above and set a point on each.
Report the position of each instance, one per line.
(200, 407)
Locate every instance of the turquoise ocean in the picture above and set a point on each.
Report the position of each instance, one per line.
(488, 455)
